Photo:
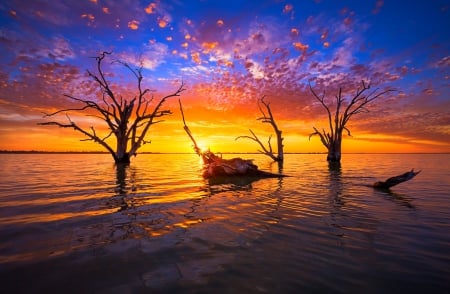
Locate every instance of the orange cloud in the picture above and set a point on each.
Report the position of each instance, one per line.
(105, 10)
(134, 24)
(196, 57)
(225, 62)
(90, 17)
(300, 46)
(150, 8)
(220, 22)
(208, 46)
(162, 22)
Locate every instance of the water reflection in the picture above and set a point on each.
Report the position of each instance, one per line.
(280, 165)
(125, 175)
(335, 184)
(397, 198)
(233, 181)
(162, 224)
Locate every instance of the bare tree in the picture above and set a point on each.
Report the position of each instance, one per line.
(344, 110)
(127, 119)
(267, 117)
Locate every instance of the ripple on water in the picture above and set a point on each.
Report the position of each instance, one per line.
(321, 229)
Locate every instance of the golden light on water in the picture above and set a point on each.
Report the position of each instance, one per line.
(54, 217)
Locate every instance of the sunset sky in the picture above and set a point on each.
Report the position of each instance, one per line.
(229, 54)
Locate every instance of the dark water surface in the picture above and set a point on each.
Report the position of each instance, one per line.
(77, 224)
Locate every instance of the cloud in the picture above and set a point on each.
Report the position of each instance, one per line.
(227, 59)
(133, 24)
(151, 57)
(444, 62)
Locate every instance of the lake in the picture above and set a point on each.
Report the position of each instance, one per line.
(75, 223)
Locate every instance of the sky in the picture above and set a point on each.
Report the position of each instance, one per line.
(229, 54)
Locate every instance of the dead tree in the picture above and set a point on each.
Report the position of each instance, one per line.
(127, 119)
(217, 167)
(267, 117)
(344, 110)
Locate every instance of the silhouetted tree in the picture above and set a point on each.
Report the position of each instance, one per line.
(127, 119)
(267, 117)
(344, 110)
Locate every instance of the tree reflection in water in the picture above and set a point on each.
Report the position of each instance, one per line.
(125, 175)
(335, 185)
(397, 198)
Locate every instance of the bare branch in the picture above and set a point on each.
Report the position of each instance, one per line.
(150, 118)
(188, 131)
(73, 125)
(257, 140)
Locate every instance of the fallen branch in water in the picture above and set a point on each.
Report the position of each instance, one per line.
(215, 166)
(396, 180)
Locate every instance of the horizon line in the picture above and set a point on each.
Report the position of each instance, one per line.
(229, 152)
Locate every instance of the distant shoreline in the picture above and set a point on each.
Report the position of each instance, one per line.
(103, 152)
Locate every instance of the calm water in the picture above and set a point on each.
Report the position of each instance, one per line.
(77, 223)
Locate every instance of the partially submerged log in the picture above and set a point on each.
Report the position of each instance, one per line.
(216, 166)
(396, 180)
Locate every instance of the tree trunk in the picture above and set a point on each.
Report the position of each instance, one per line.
(334, 151)
(122, 155)
(280, 156)
(124, 158)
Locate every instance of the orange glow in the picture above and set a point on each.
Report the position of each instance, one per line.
(300, 46)
(162, 23)
(196, 57)
(209, 45)
(150, 8)
(134, 24)
(88, 16)
(216, 136)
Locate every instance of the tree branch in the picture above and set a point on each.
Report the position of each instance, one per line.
(257, 140)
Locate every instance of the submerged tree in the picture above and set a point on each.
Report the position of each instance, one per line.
(267, 117)
(127, 119)
(344, 110)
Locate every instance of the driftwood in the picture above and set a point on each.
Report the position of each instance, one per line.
(396, 180)
(216, 166)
